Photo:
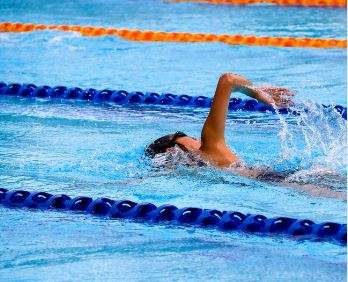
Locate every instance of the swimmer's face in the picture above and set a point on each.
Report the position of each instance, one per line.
(187, 144)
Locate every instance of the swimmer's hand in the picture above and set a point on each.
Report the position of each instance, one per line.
(275, 96)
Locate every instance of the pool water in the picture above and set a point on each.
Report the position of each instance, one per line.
(81, 148)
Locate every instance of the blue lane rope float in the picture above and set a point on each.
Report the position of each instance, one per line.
(122, 97)
(190, 216)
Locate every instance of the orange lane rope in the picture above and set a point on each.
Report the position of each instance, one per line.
(304, 3)
(157, 36)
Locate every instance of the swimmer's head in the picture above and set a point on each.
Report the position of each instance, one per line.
(165, 143)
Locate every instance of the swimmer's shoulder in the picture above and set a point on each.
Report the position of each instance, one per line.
(220, 156)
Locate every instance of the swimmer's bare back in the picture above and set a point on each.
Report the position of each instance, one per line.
(283, 179)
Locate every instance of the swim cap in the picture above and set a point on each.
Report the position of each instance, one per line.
(161, 144)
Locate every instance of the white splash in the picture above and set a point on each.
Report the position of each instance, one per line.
(58, 39)
(315, 142)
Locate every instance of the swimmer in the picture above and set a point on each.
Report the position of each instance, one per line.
(211, 148)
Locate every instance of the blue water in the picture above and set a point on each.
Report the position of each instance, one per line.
(82, 148)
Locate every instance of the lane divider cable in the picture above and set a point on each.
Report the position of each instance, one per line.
(297, 3)
(123, 97)
(170, 214)
(184, 37)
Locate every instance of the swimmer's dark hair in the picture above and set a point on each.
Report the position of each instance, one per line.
(160, 145)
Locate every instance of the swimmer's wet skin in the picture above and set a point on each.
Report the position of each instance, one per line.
(212, 148)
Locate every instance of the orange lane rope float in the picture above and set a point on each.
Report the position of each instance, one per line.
(303, 3)
(157, 36)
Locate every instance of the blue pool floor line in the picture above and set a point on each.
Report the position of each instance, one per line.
(122, 97)
(189, 216)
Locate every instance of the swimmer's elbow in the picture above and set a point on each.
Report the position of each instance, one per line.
(234, 80)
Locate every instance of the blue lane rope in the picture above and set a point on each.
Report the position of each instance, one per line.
(122, 97)
(190, 216)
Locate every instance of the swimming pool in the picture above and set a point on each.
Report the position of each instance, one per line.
(81, 148)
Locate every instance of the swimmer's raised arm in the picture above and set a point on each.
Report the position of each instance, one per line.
(213, 132)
